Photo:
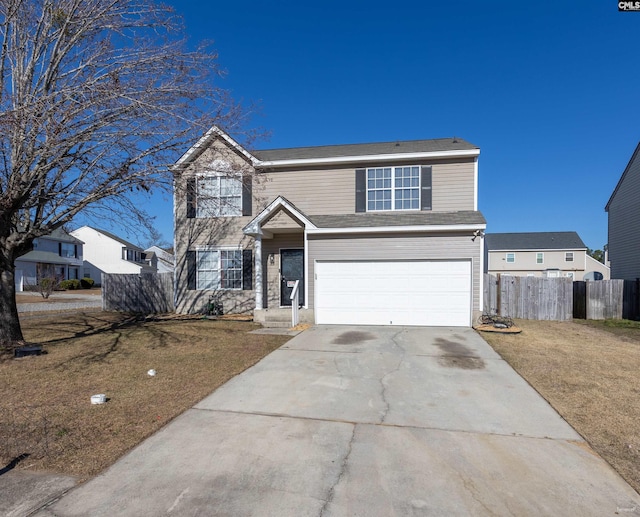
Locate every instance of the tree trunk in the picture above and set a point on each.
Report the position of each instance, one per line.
(10, 331)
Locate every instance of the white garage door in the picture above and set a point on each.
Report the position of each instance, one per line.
(408, 292)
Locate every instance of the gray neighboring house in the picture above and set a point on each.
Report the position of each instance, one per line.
(541, 254)
(376, 233)
(623, 211)
(57, 255)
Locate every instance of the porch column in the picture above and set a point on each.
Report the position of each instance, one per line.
(258, 266)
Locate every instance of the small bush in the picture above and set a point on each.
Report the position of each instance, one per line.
(87, 283)
(46, 286)
(70, 284)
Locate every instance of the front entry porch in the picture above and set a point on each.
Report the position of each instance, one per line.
(280, 261)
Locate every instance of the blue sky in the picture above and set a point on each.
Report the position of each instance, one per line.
(549, 91)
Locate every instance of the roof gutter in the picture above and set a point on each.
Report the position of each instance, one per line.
(369, 157)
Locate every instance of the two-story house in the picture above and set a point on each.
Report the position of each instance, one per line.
(105, 252)
(543, 254)
(376, 234)
(623, 210)
(57, 255)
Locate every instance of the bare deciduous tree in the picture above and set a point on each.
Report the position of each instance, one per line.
(96, 98)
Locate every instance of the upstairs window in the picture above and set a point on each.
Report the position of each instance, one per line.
(67, 250)
(539, 258)
(568, 256)
(511, 258)
(218, 196)
(132, 255)
(393, 188)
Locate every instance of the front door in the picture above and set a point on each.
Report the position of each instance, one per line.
(291, 269)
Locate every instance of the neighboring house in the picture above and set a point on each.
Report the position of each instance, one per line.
(623, 211)
(545, 254)
(105, 252)
(161, 259)
(376, 234)
(57, 255)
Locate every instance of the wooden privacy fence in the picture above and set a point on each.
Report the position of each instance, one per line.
(528, 297)
(148, 293)
(598, 300)
(560, 299)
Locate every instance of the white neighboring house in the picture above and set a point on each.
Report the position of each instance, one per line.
(105, 252)
(161, 259)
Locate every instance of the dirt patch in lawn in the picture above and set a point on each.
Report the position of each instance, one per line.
(47, 420)
(590, 373)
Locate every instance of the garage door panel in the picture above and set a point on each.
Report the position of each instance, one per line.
(394, 293)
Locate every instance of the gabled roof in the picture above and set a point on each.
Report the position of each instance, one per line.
(438, 145)
(327, 154)
(116, 238)
(533, 241)
(279, 203)
(60, 235)
(615, 190)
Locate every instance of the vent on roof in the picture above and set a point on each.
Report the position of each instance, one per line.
(455, 140)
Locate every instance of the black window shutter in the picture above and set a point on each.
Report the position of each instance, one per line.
(191, 198)
(191, 270)
(75, 251)
(247, 198)
(425, 188)
(60, 249)
(247, 270)
(361, 190)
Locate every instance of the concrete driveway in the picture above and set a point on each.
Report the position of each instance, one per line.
(364, 421)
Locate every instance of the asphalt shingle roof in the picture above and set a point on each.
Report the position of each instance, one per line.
(338, 151)
(533, 241)
(368, 220)
(45, 257)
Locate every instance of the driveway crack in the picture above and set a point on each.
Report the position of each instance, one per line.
(343, 469)
(383, 384)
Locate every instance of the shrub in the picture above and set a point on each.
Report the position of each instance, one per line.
(87, 283)
(46, 286)
(70, 284)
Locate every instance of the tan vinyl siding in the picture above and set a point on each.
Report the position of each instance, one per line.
(453, 186)
(314, 192)
(397, 247)
(525, 263)
(624, 225)
(282, 220)
(193, 233)
(332, 191)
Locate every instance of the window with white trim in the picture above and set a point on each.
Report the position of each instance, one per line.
(218, 195)
(539, 258)
(568, 256)
(511, 258)
(218, 269)
(393, 188)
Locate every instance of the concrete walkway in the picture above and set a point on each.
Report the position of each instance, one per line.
(366, 421)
